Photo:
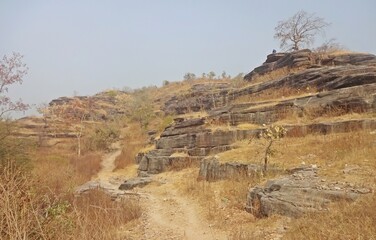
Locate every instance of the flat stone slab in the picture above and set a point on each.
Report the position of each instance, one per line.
(135, 182)
(302, 191)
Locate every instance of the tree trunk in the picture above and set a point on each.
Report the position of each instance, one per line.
(267, 154)
(79, 145)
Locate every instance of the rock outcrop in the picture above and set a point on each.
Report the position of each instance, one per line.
(135, 182)
(187, 142)
(211, 169)
(307, 59)
(301, 58)
(358, 99)
(301, 192)
(337, 72)
(200, 97)
(342, 84)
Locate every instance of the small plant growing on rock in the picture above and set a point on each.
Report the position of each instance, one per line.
(271, 133)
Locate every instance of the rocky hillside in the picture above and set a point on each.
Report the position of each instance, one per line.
(314, 94)
(213, 128)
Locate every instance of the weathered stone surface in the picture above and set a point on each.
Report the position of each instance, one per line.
(158, 164)
(176, 141)
(200, 98)
(139, 157)
(280, 60)
(306, 58)
(344, 85)
(293, 195)
(350, 58)
(184, 127)
(330, 127)
(324, 79)
(212, 170)
(135, 182)
(359, 99)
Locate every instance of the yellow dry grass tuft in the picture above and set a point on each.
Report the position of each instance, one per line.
(134, 141)
(343, 221)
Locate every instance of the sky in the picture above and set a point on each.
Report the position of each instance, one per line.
(86, 46)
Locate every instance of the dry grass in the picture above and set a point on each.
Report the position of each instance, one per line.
(330, 152)
(276, 95)
(40, 205)
(226, 126)
(191, 115)
(27, 213)
(313, 116)
(343, 221)
(59, 171)
(88, 165)
(275, 74)
(180, 88)
(98, 217)
(223, 201)
(134, 140)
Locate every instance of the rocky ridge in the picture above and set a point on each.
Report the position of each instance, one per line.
(340, 85)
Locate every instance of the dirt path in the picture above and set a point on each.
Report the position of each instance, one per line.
(108, 162)
(169, 215)
(106, 179)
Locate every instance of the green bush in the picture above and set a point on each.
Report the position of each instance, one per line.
(101, 137)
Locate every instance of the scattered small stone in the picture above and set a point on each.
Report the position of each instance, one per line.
(363, 190)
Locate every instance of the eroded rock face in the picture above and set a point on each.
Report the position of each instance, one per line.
(361, 98)
(305, 58)
(302, 191)
(200, 97)
(339, 85)
(335, 73)
(212, 170)
(301, 58)
(192, 141)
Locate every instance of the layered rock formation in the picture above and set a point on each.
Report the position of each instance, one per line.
(191, 141)
(212, 170)
(342, 84)
(317, 73)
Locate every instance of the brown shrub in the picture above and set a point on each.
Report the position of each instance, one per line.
(30, 212)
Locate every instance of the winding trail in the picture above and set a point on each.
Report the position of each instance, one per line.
(106, 179)
(166, 213)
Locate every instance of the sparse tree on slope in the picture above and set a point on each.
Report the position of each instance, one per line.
(74, 114)
(299, 30)
(12, 70)
(189, 76)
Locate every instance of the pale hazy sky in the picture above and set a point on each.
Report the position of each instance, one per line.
(87, 46)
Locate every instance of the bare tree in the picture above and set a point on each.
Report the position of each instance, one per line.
(299, 30)
(74, 114)
(12, 70)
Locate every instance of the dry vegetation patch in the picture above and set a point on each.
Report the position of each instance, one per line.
(135, 140)
(345, 157)
(32, 207)
(343, 221)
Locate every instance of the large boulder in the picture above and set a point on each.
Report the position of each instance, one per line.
(301, 192)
